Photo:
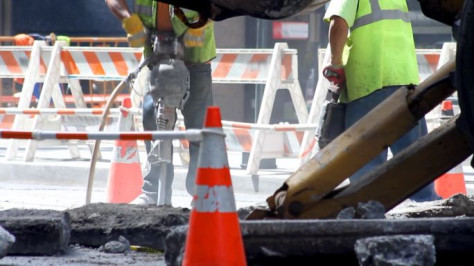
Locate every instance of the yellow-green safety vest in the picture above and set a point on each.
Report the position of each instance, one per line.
(381, 49)
(199, 44)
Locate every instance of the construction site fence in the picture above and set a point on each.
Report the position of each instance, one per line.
(191, 135)
(275, 68)
(97, 91)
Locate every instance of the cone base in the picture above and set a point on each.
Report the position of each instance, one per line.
(215, 240)
(450, 184)
(124, 183)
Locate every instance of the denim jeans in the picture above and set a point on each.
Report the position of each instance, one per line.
(360, 107)
(193, 112)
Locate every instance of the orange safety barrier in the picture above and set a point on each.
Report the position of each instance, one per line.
(93, 99)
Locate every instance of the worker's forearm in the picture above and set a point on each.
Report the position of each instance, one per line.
(338, 31)
(119, 8)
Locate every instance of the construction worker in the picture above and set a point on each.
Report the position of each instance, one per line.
(372, 55)
(153, 17)
(24, 39)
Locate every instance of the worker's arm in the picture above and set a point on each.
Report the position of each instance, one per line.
(338, 30)
(119, 8)
(131, 23)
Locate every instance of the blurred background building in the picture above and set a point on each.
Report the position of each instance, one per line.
(306, 33)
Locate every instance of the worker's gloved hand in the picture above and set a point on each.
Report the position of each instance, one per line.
(337, 76)
(133, 26)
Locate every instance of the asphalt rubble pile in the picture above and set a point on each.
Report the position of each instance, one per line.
(430, 233)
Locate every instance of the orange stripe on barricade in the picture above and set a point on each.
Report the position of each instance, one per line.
(432, 60)
(43, 68)
(72, 135)
(94, 63)
(284, 128)
(11, 62)
(17, 134)
(69, 63)
(7, 121)
(119, 63)
(138, 56)
(252, 73)
(286, 63)
(224, 66)
(97, 112)
(66, 112)
(244, 138)
(135, 136)
(31, 112)
(242, 125)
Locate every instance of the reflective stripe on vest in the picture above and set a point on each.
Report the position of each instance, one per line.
(146, 10)
(380, 49)
(378, 14)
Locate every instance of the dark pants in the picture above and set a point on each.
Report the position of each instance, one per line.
(193, 112)
(360, 107)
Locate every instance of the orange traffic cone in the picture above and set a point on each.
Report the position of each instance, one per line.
(214, 236)
(125, 175)
(452, 182)
(447, 108)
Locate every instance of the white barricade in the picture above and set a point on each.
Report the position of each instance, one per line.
(428, 62)
(277, 68)
(64, 65)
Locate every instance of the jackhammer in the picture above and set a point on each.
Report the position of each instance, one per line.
(169, 88)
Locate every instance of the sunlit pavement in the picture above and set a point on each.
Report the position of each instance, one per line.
(56, 181)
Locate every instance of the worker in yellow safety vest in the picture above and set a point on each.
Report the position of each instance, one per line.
(155, 18)
(372, 55)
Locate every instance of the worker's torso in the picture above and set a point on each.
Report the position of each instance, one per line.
(381, 48)
(199, 44)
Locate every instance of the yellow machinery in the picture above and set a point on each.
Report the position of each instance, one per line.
(310, 192)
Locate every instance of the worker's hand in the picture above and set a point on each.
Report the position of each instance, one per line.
(133, 26)
(336, 75)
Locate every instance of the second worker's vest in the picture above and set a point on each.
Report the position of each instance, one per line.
(199, 44)
(381, 49)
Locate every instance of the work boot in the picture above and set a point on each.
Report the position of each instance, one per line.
(144, 199)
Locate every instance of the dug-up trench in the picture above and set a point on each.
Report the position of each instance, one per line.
(431, 233)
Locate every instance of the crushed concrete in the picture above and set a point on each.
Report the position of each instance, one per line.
(120, 246)
(458, 205)
(385, 250)
(33, 228)
(6, 241)
(76, 255)
(369, 210)
(267, 242)
(96, 224)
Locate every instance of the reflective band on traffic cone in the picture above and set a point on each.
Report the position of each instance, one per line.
(125, 175)
(214, 236)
